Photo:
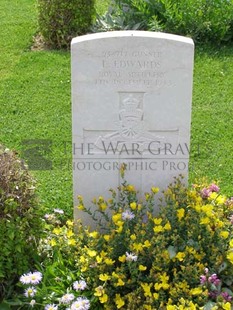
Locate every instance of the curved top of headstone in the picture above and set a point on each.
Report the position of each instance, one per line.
(132, 33)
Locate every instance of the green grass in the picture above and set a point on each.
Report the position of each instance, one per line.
(35, 104)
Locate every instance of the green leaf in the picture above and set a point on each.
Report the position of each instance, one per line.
(222, 267)
(172, 251)
(4, 306)
(209, 305)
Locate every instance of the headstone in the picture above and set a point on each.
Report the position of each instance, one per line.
(131, 95)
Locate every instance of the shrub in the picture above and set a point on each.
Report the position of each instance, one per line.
(20, 223)
(179, 259)
(61, 20)
(204, 21)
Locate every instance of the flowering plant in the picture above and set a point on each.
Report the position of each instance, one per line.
(181, 258)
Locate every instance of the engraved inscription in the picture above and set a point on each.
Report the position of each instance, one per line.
(141, 68)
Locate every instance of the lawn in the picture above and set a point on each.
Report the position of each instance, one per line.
(35, 106)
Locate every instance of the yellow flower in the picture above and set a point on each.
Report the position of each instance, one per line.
(57, 230)
(101, 199)
(104, 277)
(180, 256)
(226, 306)
(119, 223)
(158, 221)
(196, 291)
(116, 217)
(142, 268)
(231, 243)
(120, 226)
(103, 298)
(82, 259)
(103, 206)
(180, 213)
(133, 205)
(80, 207)
(138, 246)
(120, 282)
(139, 207)
(69, 233)
(220, 200)
(207, 209)
(94, 234)
(158, 229)
(146, 287)
(107, 237)
(157, 286)
(133, 237)
(99, 259)
(213, 196)
(109, 261)
(147, 244)
(219, 223)
(119, 301)
(170, 307)
(99, 291)
(53, 242)
(167, 226)
(230, 256)
(204, 221)
(147, 307)
(130, 188)
(224, 234)
(91, 253)
(122, 258)
(156, 296)
(71, 242)
(154, 190)
(69, 223)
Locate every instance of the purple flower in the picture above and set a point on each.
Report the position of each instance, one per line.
(214, 279)
(205, 192)
(79, 285)
(81, 304)
(127, 215)
(203, 279)
(213, 294)
(30, 292)
(231, 219)
(31, 278)
(226, 296)
(67, 298)
(214, 188)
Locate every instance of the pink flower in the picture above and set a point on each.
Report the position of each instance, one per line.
(205, 192)
(226, 296)
(231, 219)
(214, 188)
(214, 279)
(203, 279)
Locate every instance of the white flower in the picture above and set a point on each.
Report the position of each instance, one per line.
(79, 285)
(25, 279)
(130, 257)
(32, 302)
(67, 298)
(60, 211)
(127, 215)
(80, 304)
(35, 277)
(30, 292)
(50, 307)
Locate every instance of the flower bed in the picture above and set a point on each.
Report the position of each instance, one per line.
(181, 258)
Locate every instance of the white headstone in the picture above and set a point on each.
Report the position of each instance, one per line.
(131, 95)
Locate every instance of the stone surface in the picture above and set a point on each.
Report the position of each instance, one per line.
(131, 96)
